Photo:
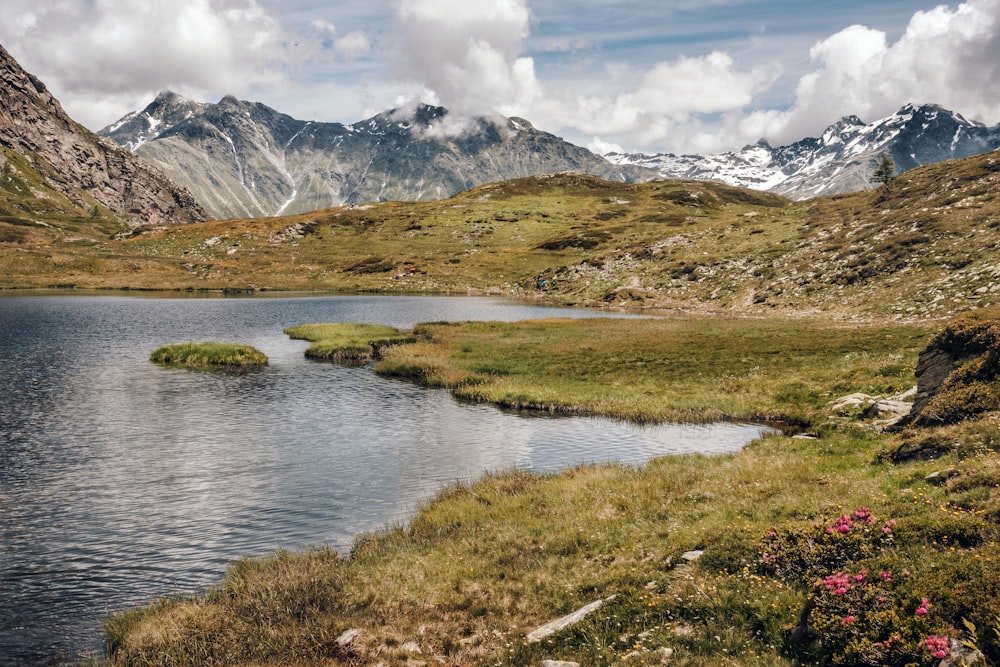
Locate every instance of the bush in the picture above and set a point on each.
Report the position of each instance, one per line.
(864, 607)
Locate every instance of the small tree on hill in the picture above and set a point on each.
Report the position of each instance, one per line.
(885, 169)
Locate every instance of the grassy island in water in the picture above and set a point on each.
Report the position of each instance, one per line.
(834, 543)
(208, 356)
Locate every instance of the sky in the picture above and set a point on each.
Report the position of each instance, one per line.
(695, 76)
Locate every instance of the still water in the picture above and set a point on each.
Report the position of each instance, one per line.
(121, 480)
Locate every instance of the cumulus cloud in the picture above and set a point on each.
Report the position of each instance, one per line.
(667, 105)
(102, 53)
(466, 51)
(946, 56)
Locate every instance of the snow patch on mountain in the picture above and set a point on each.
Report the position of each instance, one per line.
(840, 160)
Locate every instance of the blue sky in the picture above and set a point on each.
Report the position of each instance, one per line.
(682, 76)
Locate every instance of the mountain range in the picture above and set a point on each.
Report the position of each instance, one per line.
(244, 159)
(840, 160)
(60, 175)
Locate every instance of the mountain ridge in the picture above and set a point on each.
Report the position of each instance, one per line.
(840, 160)
(245, 159)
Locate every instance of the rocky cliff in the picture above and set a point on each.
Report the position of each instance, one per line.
(244, 159)
(54, 166)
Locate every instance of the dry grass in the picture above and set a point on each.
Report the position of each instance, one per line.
(927, 249)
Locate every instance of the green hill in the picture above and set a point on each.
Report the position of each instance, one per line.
(927, 246)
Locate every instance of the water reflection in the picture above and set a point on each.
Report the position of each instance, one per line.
(120, 480)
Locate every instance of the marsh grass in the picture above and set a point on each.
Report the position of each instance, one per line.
(347, 341)
(482, 564)
(208, 356)
(678, 369)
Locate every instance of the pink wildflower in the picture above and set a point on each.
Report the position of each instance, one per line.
(924, 607)
(838, 583)
(886, 575)
(849, 618)
(939, 646)
(864, 514)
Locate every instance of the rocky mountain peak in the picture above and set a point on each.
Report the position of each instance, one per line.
(245, 159)
(89, 172)
(841, 159)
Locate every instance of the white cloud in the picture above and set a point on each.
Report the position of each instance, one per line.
(102, 58)
(665, 107)
(946, 56)
(466, 51)
(353, 45)
(324, 26)
(118, 50)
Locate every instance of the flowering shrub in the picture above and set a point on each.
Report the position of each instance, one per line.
(862, 609)
(820, 548)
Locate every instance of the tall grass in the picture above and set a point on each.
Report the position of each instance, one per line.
(208, 356)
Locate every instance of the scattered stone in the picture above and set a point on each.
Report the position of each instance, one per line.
(411, 647)
(691, 556)
(940, 477)
(347, 637)
(852, 403)
(665, 653)
(805, 436)
(559, 663)
(888, 411)
(543, 631)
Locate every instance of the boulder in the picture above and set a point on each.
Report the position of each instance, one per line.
(958, 373)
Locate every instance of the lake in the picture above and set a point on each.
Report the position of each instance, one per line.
(121, 480)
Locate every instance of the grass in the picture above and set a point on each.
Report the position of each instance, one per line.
(676, 369)
(482, 564)
(928, 248)
(347, 341)
(208, 356)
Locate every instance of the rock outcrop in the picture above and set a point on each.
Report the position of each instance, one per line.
(79, 166)
(958, 373)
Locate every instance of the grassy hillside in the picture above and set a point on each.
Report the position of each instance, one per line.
(33, 212)
(928, 246)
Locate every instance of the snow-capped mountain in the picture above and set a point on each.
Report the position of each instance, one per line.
(841, 160)
(244, 159)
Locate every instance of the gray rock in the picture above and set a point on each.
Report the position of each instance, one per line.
(411, 647)
(347, 637)
(691, 556)
(543, 631)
